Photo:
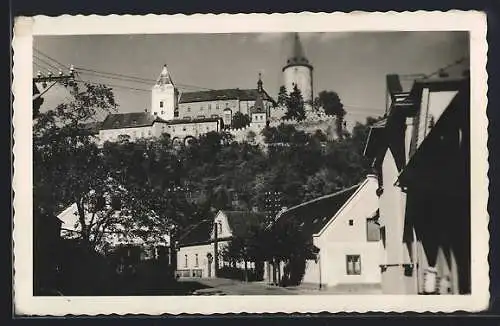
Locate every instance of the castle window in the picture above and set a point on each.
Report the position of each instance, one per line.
(351, 222)
(185, 261)
(209, 107)
(196, 262)
(155, 113)
(162, 112)
(189, 109)
(161, 104)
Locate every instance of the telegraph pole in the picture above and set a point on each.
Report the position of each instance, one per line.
(273, 204)
(216, 250)
(47, 83)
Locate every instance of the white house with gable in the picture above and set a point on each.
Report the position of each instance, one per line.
(344, 230)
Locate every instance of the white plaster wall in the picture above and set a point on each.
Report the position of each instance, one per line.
(392, 215)
(134, 133)
(206, 108)
(168, 95)
(191, 252)
(334, 265)
(302, 77)
(183, 130)
(339, 239)
(439, 101)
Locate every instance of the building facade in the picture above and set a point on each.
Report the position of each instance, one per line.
(343, 229)
(201, 251)
(164, 96)
(423, 217)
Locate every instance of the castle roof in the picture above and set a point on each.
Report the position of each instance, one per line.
(164, 78)
(128, 120)
(223, 95)
(297, 56)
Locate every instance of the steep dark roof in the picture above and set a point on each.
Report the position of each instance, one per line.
(313, 215)
(297, 56)
(93, 127)
(240, 222)
(128, 120)
(222, 95)
(199, 233)
(198, 120)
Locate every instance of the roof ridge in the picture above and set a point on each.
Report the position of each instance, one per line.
(326, 196)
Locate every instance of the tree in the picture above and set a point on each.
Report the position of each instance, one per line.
(240, 120)
(295, 105)
(282, 96)
(67, 165)
(332, 105)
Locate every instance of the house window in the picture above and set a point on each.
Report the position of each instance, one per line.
(162, 112)
(189, 109)
(209, 107)
(353, 264)
(155, 113)
(196, 264)
(161, 104)
(351, 222)
(185, 261)
(372, 230)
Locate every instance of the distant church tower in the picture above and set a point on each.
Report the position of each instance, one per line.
(164, 96)
(298, 71)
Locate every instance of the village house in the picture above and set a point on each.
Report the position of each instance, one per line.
(421, 153)
(201, 249)
(344, 230)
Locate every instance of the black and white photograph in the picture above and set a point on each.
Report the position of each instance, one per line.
(341, 166)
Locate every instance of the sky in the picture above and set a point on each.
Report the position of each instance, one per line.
(353, 64)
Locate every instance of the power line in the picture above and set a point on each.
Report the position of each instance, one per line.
(112, 85)
(47, 63)
(455, 63)
(130, 78)
(49, 58)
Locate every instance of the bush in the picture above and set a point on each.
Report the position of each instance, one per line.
(239, 274)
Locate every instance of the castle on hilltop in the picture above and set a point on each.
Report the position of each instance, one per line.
(188, 115)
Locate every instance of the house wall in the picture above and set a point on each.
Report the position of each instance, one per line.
(204, 268)
(134, 133)
(339, 239)
(206, 109)
(392, 204)
(183, 130)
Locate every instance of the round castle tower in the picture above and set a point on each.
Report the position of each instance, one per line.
(298, 71)
(164, 96)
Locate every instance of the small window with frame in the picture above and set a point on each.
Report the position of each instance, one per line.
(353, 264)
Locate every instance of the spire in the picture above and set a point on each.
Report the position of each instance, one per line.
(297, 56)
(164, 78)
(259, 101)
(259, 83)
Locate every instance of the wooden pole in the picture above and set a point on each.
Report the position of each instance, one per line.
(216, 251)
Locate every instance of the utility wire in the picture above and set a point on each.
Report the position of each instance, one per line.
(50, 58)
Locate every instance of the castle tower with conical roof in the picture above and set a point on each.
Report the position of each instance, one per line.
(164, 96)
(298, 71)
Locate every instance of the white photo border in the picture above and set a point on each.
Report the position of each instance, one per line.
(26, 27)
